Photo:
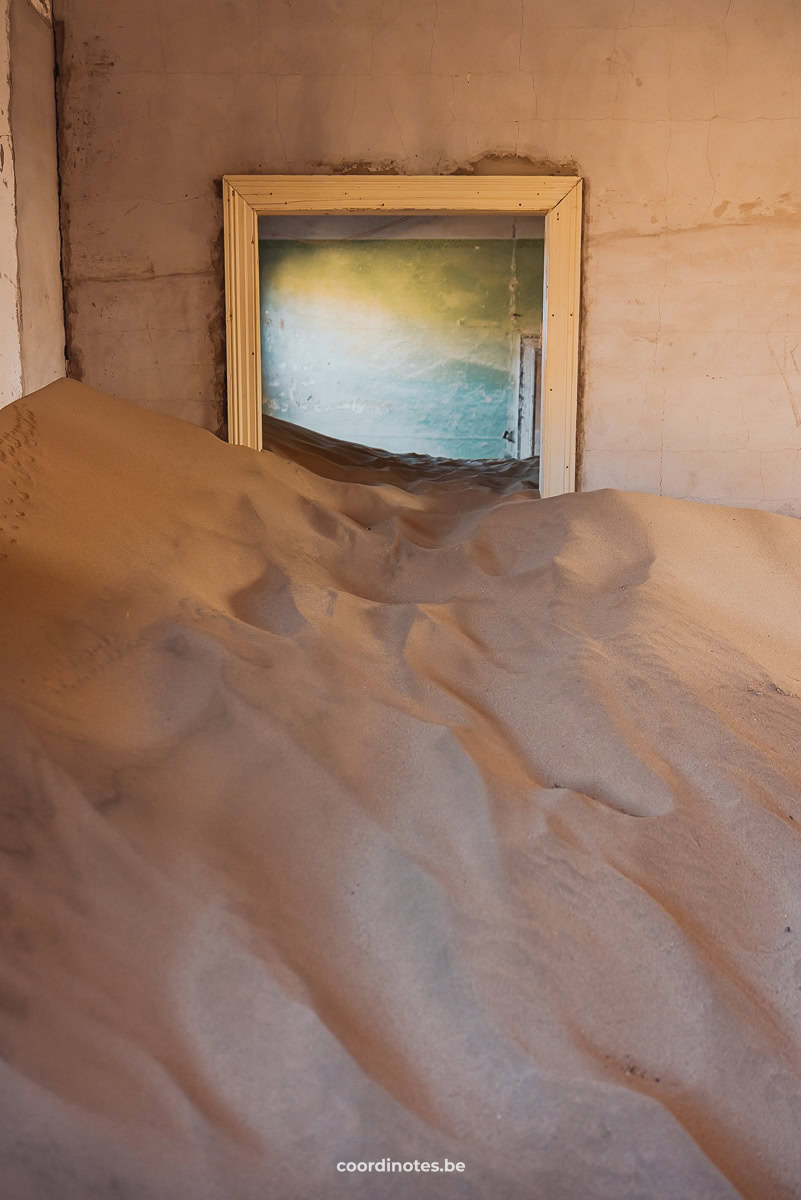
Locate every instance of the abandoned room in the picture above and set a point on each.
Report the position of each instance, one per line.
(400, 599)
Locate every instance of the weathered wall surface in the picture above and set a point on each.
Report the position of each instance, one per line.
(684, 116)
(10, 365)
(408, 344)
(31, 301)
(33, 125)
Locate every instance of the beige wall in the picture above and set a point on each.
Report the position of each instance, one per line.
(683, 115)
(31, 301)
(33, 126)
(10, 365)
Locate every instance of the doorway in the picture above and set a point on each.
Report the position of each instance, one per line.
(247, 198)
(412, 335)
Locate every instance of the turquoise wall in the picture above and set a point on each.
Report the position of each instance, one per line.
(407, 344)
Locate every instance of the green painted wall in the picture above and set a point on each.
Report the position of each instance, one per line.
(406, 344)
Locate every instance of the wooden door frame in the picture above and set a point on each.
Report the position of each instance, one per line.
(558, 197)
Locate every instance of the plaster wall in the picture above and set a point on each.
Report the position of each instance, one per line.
(10, 365)
(33, 122)
(408, 344)
(684, 117)
(31, 300)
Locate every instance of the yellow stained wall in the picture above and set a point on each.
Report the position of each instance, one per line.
(409, 345)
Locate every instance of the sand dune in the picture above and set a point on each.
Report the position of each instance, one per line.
(348, 816)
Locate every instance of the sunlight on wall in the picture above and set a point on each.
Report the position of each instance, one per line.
(410, 345)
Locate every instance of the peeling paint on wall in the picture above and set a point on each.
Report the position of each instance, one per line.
(44, 9)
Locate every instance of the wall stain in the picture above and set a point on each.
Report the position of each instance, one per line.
(216, 321)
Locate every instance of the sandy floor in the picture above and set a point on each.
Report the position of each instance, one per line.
(346, 817)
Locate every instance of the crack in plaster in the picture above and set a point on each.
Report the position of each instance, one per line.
(781, 367)
(661, 292)
(145, 277)
(278, 120)
(350, 119)
(160, 26)
(433, 35)
(406, 157)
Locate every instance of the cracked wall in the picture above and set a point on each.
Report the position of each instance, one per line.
(684, 116)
